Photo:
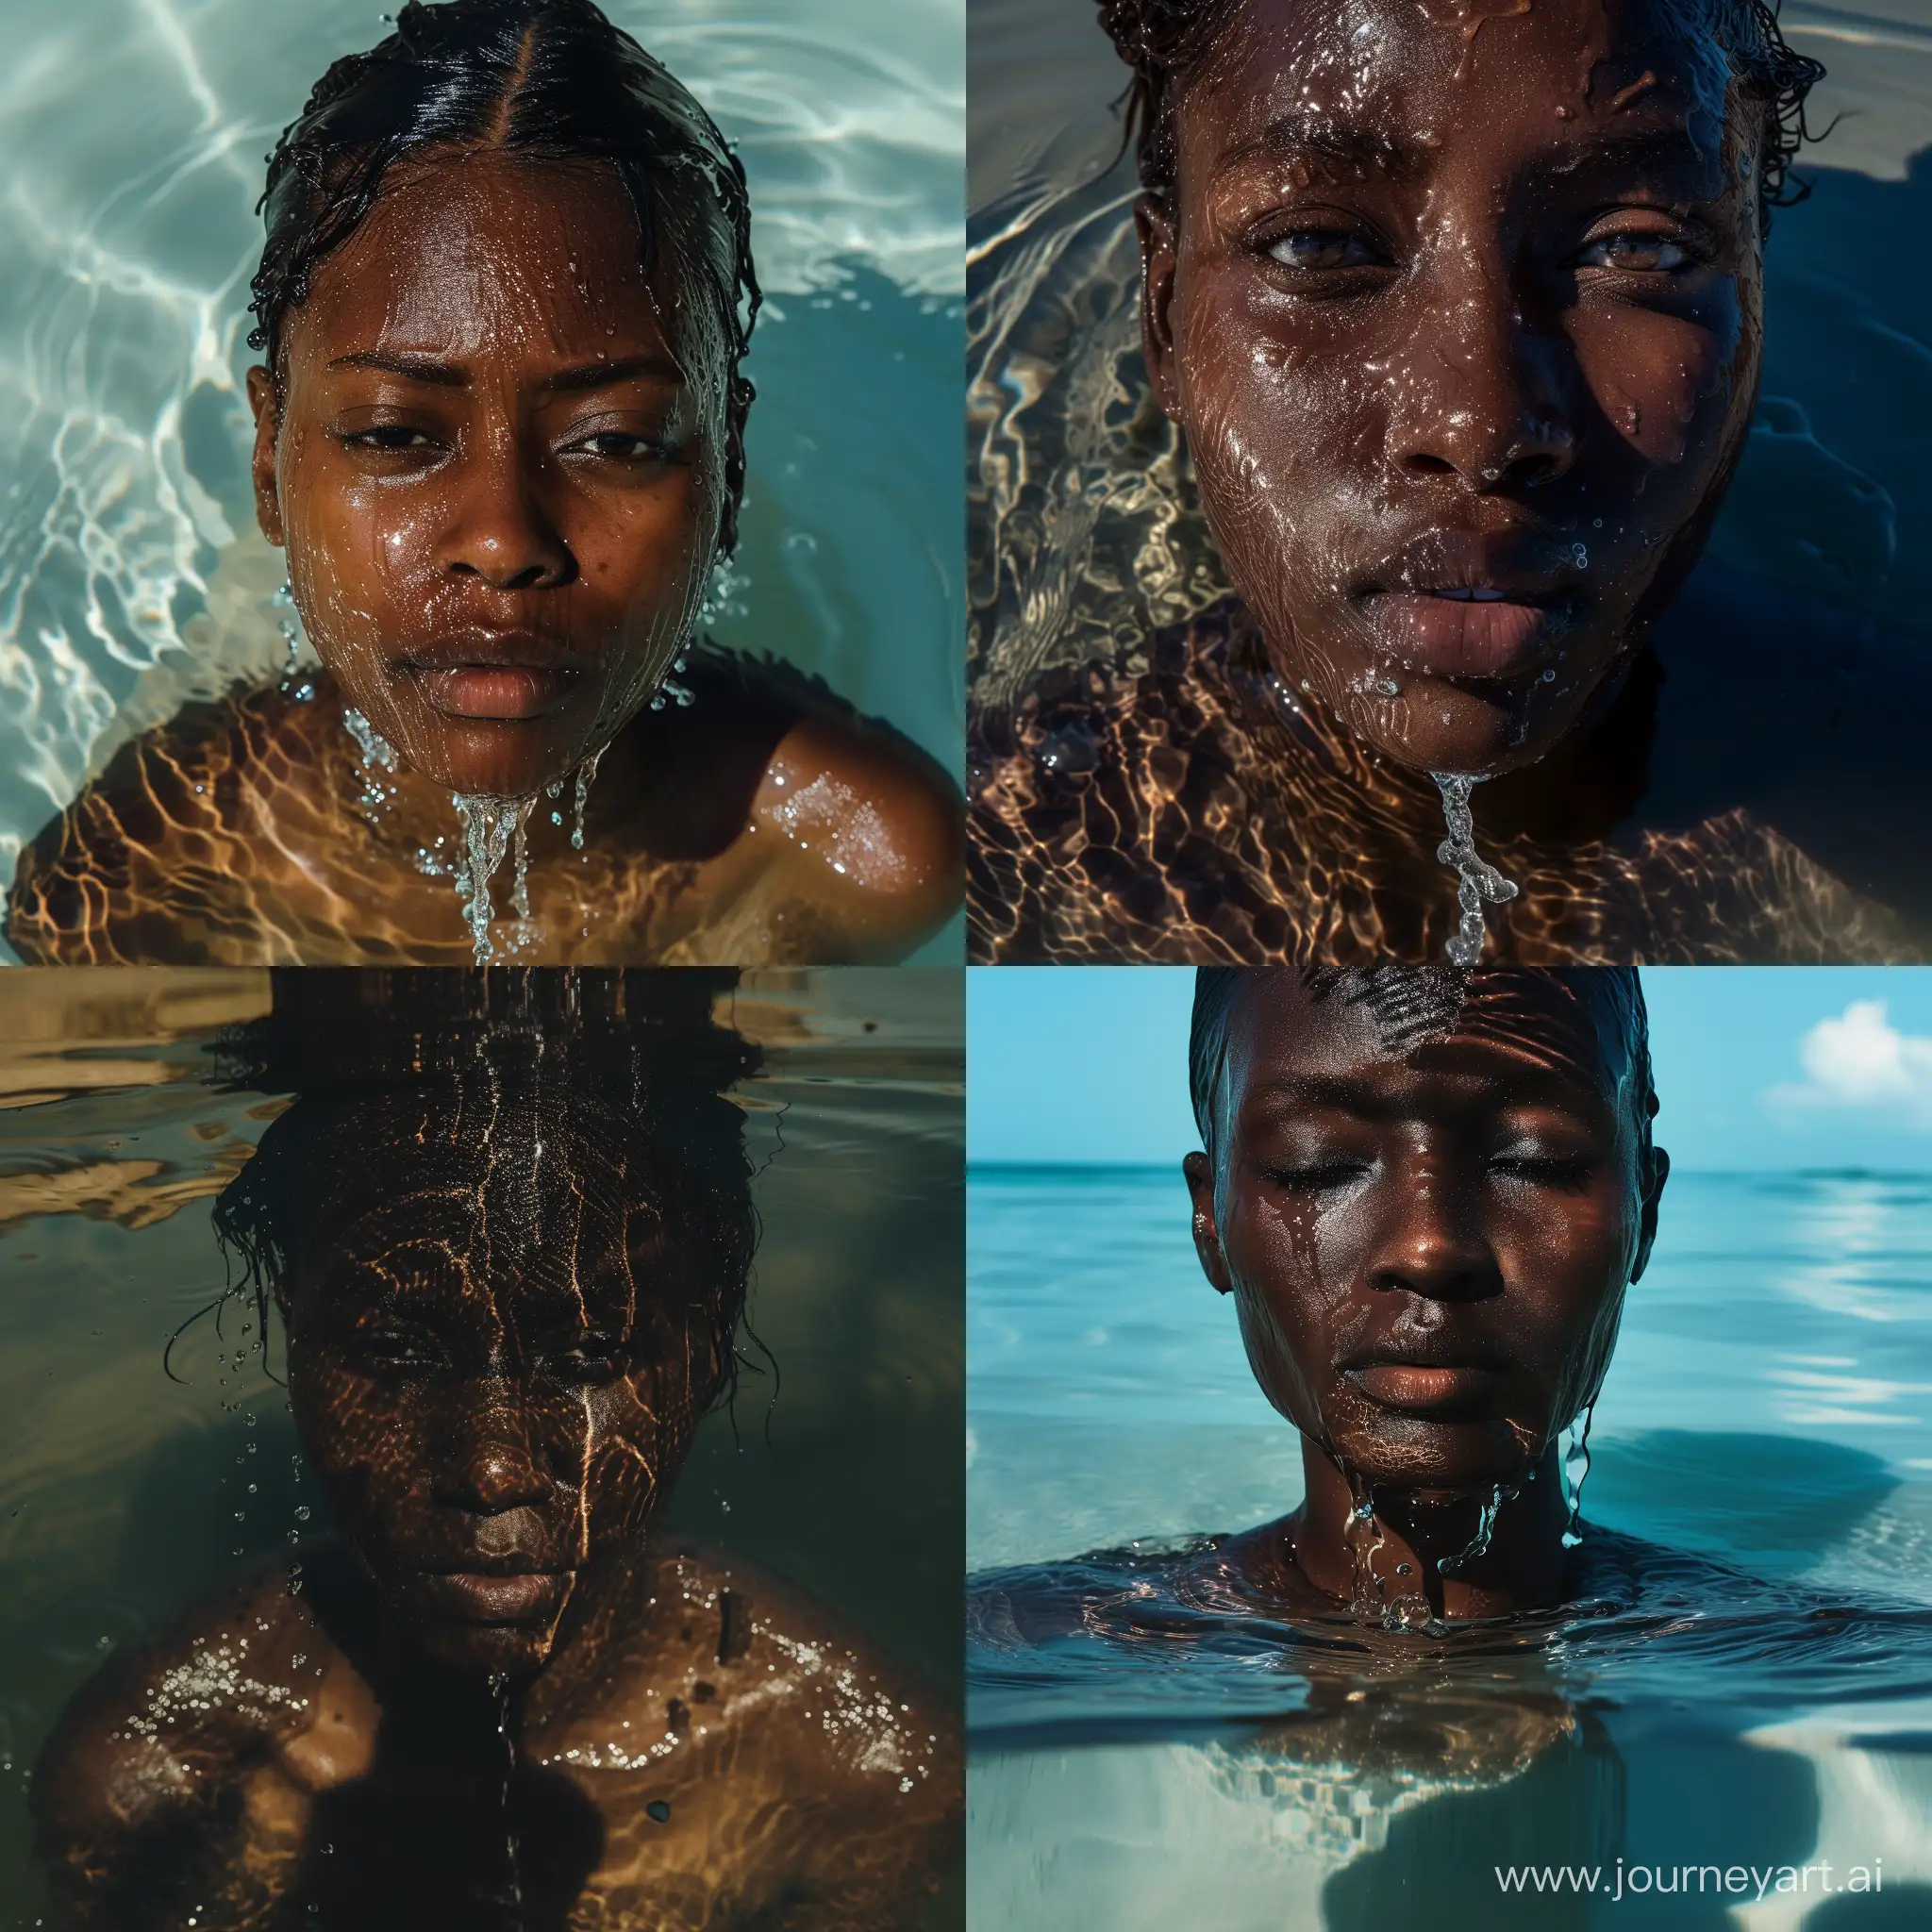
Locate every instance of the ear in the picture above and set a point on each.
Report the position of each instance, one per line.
(1653, 1193)
(268, 498)
(1206, 1236)
(1154, 224)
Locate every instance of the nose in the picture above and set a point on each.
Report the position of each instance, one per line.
(489, 1464)
(1431, 1243)
(501, 526)
(1482, 396)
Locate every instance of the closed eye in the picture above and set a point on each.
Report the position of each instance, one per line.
(388, 437)
(1569, 1171)
(1318, 1177)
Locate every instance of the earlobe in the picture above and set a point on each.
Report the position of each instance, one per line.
(1206, 1236)
(1154, 222)
(268, 499)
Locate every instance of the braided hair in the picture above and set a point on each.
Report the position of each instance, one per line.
(1168, 43)
(553, 80)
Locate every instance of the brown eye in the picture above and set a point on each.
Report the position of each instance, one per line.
(594, 1359)
(388, 437)
(1315, 249)
(1636, 254)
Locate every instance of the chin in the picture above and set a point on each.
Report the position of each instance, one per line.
(1436, 1462)
(488, 1650)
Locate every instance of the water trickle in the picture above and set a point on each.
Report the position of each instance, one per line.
(1576, 1471)
(1368, 1592)
(1478, 1545)
(587, 772)
(490, 827)
(1478, 880)
(513, 1864)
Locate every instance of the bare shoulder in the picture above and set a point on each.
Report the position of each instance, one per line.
(149, 863)
(758, 1751)
(866, 826)
(150, 1758)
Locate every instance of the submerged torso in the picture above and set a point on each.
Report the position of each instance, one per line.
(1196, 812)
(765, 824)
(732, 1762)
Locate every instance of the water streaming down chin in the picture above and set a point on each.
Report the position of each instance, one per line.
(1477, 882)
(126, 1496)
(131, 579)
(1087, 542)
(1746, 1668)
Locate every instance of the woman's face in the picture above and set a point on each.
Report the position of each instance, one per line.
(495, 1371)
(499, 491)
(1460, 306)
(1428, 1249)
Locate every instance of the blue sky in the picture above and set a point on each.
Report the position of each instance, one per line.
(1758, 1067)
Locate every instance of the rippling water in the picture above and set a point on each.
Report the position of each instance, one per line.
(1747, 1679)
(119, 1487)
(131, 140)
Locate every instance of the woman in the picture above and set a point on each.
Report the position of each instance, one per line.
(506, 1230)
(500, 422)
(1460, 308)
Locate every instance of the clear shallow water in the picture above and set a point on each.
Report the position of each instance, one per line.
(1767, 1420)
(119, 1487)
(131, 140)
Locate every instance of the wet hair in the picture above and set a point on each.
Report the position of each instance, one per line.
(1169, 43)
(1410, 1005)
(632, 1060)
(555, 81)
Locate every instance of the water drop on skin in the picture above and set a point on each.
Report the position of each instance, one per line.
(1576, 1471)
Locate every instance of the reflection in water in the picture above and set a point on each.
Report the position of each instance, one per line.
(499, 1245)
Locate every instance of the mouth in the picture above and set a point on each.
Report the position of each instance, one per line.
(493, 1594)
(1481, 633)
(1422, 1379)
(500, 676)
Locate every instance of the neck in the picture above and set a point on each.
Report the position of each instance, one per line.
(1408, 1549)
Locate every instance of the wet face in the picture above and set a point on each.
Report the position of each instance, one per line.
(499, 491)
(1428, 1249)
(1459, 302)
(495, 1370)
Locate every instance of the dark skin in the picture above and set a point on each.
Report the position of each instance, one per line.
(495, 1376)
(1442, 302)
(500, 489)
(1429, 1253)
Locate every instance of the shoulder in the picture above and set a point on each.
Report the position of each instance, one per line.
(143, 865)
(861, 820)
(164, 1732)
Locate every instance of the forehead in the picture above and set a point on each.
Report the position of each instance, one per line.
(1526, 1040)
(1437, 76)
(488, 252)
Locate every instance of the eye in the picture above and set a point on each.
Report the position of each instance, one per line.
(389, 439)
(1314, 250)
(1569, 1171)
(1319, 1176)
(617, 446)
(401, 1352)
(1635, 253)
(593, 1358)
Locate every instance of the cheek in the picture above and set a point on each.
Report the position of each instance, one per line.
(1667, 386)
(1291, 1272)
(360, 1440)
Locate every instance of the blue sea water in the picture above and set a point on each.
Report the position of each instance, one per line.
(132, 134)
(1765, 1699)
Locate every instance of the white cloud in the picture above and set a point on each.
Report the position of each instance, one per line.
(1861, 1060)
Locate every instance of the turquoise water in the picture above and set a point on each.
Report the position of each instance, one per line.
(1768, 1418)
(131, 139)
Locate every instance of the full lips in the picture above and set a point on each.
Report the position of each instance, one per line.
(1453, 637)
(473, 1597)
(496, 691)
(1419, 1389)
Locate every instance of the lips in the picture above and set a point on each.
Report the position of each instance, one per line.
(1426, 1389)
(498, 676)
(503, 693)
(478, 1596)
(1459, 633)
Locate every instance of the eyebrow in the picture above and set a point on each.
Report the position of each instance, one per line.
(586, 375)
(1271, 1101)
(1348, 146)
